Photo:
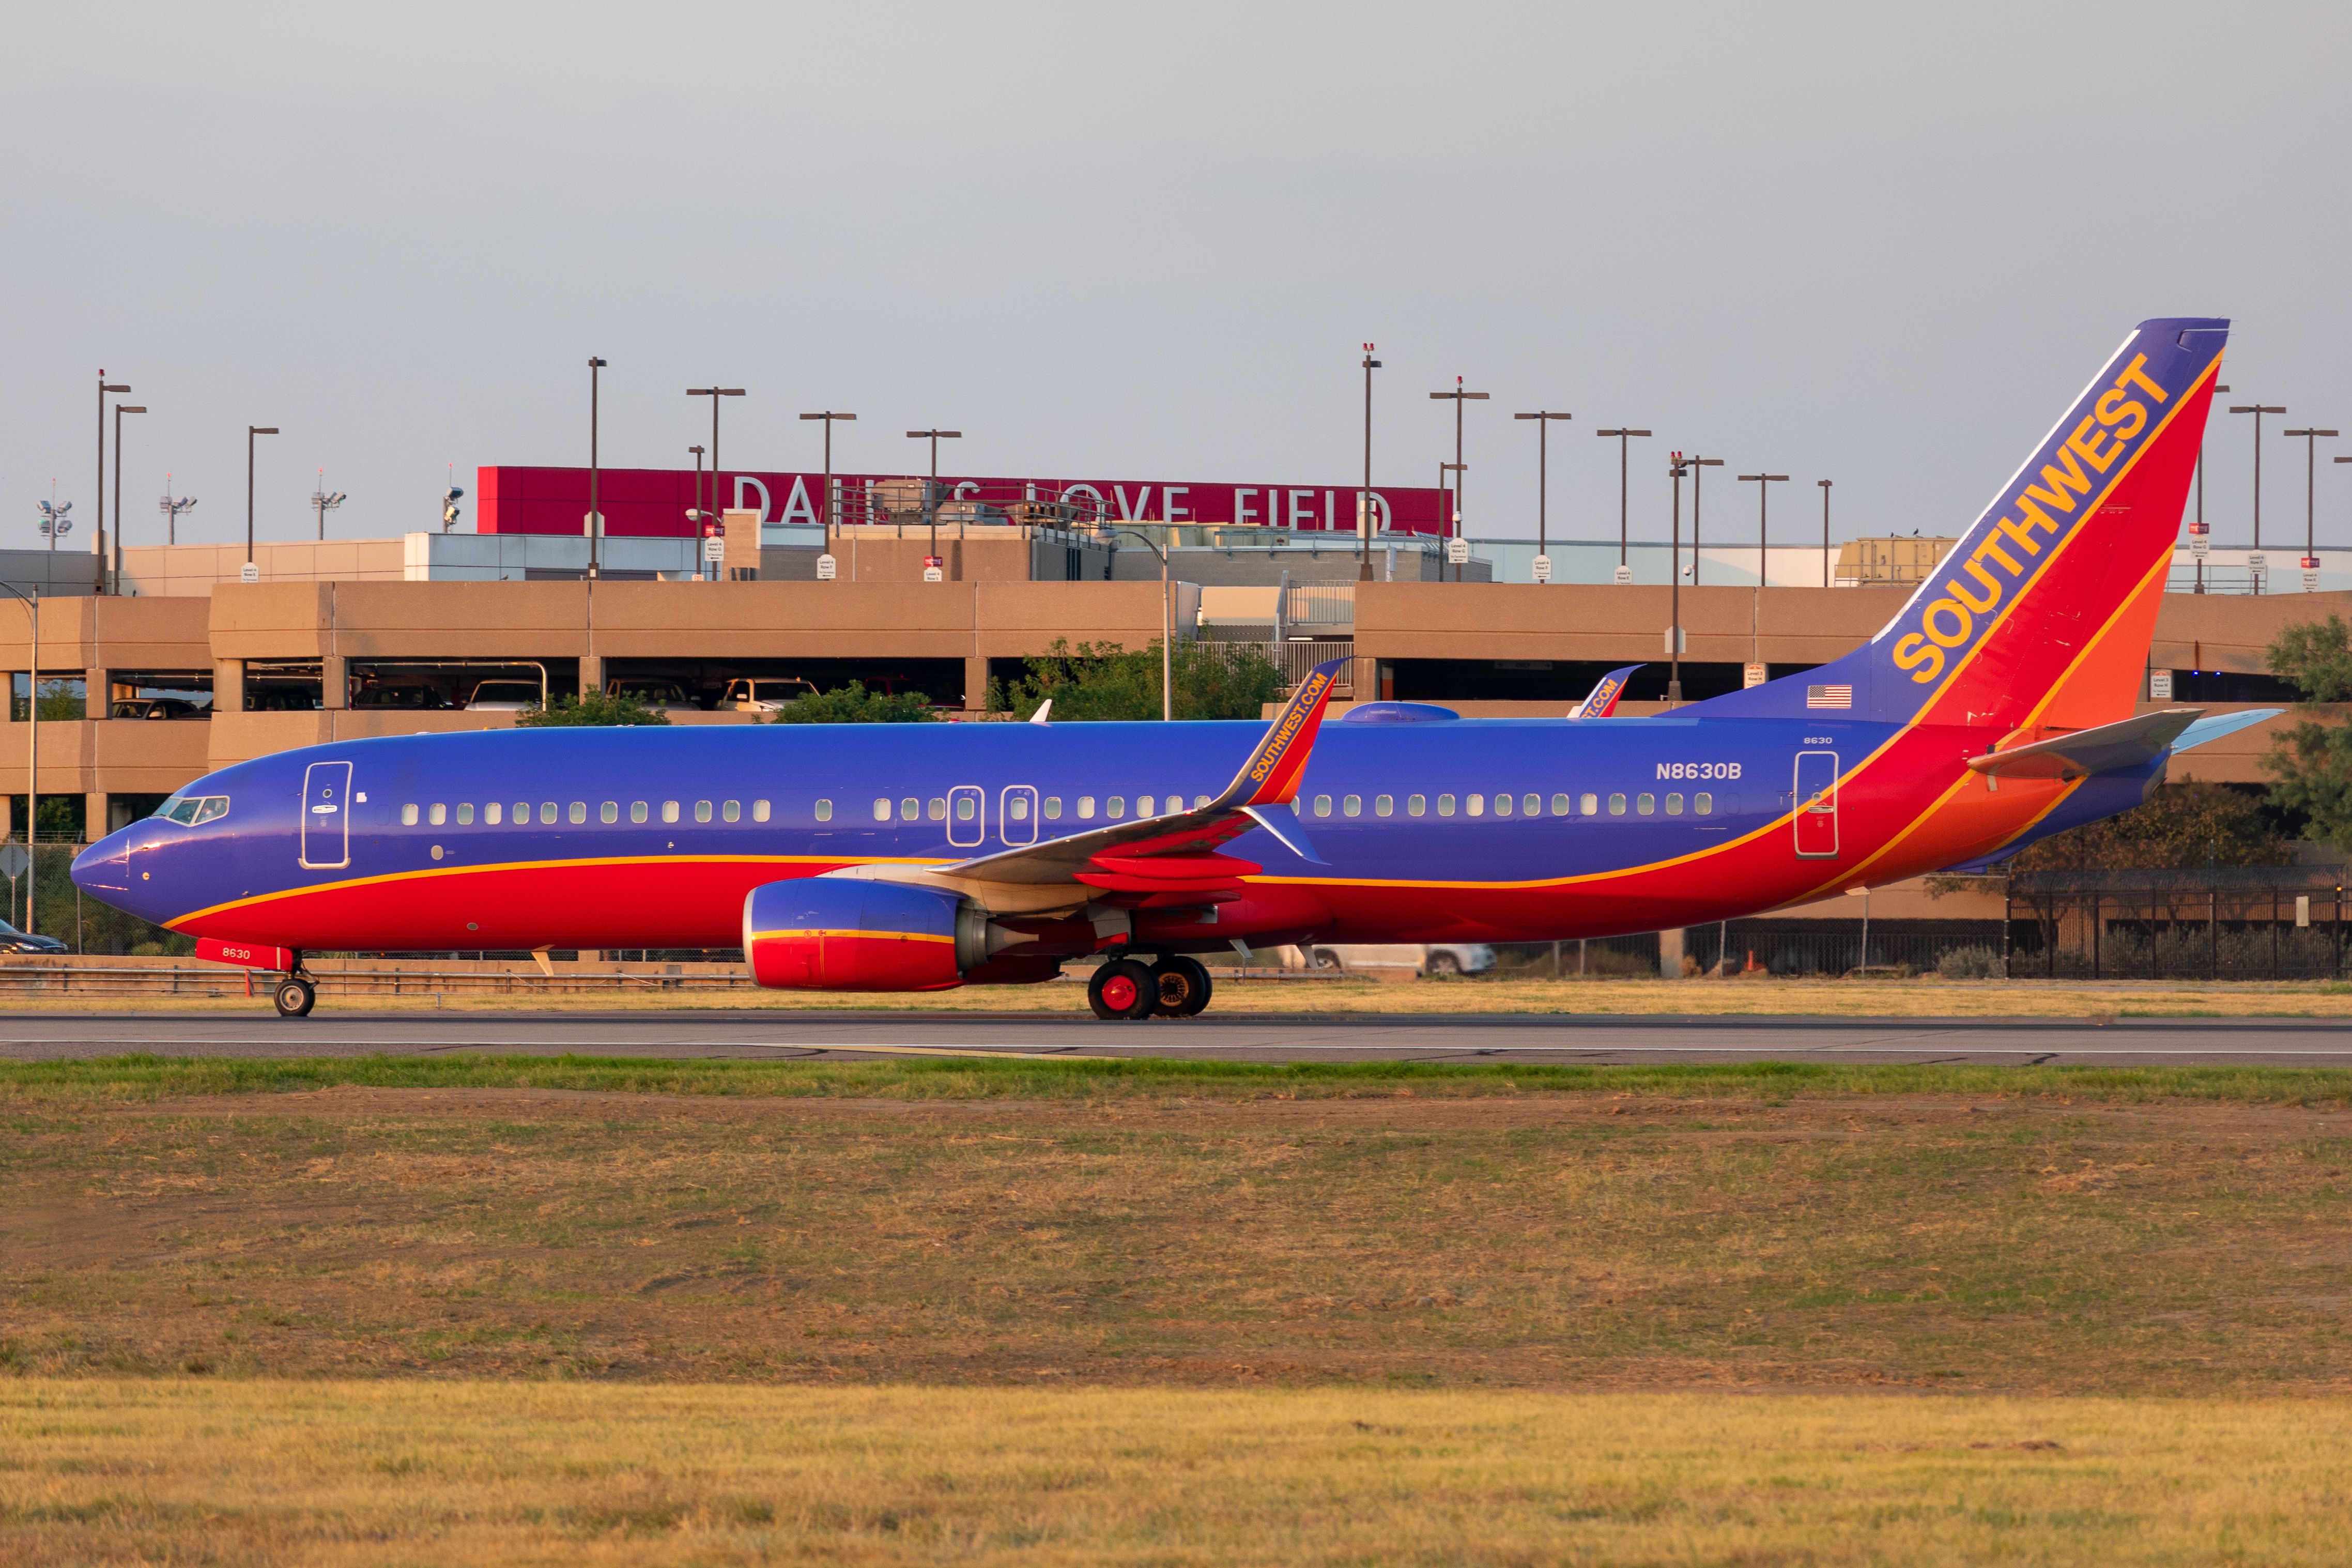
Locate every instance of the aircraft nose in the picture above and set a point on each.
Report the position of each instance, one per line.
(104, 866)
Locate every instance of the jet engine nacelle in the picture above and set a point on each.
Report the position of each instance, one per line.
(842, 933)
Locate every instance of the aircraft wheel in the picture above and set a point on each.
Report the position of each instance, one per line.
(1324, 958)
(1182, 987)
(1445, 964)
(295, 997)
(1122, 989)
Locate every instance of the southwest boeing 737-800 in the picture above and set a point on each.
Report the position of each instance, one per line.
(1996, 708)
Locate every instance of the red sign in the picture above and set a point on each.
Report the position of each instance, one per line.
(654, 501)
(244, 954)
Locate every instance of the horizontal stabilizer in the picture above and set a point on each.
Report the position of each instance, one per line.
(2128, 744)
(2213, 726)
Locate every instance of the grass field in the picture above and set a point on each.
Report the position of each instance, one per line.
(1926, 996)
(401, 1471)
(491, 1311)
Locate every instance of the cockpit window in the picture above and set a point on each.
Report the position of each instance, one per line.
(215, 806)
(191, 810)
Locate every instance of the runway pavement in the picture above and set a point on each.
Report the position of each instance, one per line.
(1588, 1038)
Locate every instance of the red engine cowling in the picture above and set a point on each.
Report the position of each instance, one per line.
(828, 933)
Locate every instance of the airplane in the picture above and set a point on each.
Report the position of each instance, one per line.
(1995, 709)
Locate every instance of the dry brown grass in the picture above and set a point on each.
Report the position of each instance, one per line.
(475, 1473)
(1380, 1236)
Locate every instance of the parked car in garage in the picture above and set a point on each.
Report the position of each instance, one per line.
(503, 697)
(764, 693)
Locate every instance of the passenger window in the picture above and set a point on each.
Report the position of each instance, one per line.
(1383, 805)
(1115, 807)
(825, 811)
(407, 814)
(1322, 806)
(1703, 803)
(732, 810)
(1416, 804)
(1616, 806)
(938, 809)
(438, 816)
(1086, 808)
(1053, 808)
(669, 810)
(908, 809)
(1646, 804)
(1175, 804)
(1502, 806)
(1200, 803)
(758, 811)
(547, 811)
(1018, 807)
(965, 806)
(609, 811)
(522, 813)
(579, 811)
(1444, 806)
(1560, 805)
(492, 813)
(639, 811)
(1532, 805)
(881, 810)
(1477, 804)
(1591, 806)
(1354, 805)
(464, 814)
(1674, 806)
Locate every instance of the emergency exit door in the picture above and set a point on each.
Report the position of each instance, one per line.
(1817, 793)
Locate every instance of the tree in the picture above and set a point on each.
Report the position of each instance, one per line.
(1103, 681)
(2314, 760)
(2185, 825)
(852, 704)
(595, 709)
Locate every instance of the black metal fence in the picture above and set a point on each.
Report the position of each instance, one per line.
(2229, 922)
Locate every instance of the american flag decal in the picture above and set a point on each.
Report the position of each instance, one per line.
(1829, 696)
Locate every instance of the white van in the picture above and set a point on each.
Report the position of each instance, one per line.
(1394, 960)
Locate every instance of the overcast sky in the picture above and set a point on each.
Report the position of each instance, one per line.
(1881, 245)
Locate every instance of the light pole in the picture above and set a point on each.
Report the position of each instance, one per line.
(1364, 500)
(1449, 479)
(1461, 471)
(595, 511)
(54, 523)
(321, 502)
(99, 511)
(1763, 483)
(250, 432)
(172, 505)
(2257, 410)
(2198, 539)
(826, 503)
(1674, 599)
(1543, 485)
(714, 511)
(1624, 572)
(120, 410)
(1699, 467)
(32, 747)
(930, 490)
(2310, 502)
(1167, 629)
(697, 514)
(1826, 581)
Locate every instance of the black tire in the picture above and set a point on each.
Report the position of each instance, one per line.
(1444, 964)
(1324, 958)
(295, 997)
(1181, 986)
(1122, 989)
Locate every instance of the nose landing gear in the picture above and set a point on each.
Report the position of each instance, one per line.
(1175, 987)
(296, 994)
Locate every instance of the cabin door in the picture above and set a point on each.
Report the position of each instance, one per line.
(967, 816)
(1817, 793)
(327, 816)
(1017, 814)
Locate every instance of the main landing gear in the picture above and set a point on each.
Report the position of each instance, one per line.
(1174, 987)
(296, 994)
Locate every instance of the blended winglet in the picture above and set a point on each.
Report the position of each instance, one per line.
(1271, 775)
(1602, 703)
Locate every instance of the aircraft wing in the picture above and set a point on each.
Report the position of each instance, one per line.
(1603, 702)
(1176, 851)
